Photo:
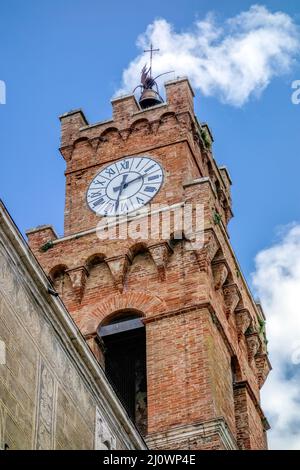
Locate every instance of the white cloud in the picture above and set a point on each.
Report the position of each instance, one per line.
(277, 282)
(232, 62)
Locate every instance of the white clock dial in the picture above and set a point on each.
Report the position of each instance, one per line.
(125, 186)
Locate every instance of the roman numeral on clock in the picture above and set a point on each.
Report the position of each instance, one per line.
(125, 165)
(110, 172)
(124, 206)
(98, 202)
(149, 189)
(154, 177)
(150, 168)
(97, 193)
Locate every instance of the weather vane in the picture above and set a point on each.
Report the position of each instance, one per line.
(149, 97)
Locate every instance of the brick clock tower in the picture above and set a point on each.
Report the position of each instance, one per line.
(176, 329)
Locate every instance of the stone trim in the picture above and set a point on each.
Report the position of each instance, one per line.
(204, 179)
(73, 111)
(42, 228)
(224, 168)
(115, 224)
(200, 431)
(123, 97)
(141, 111)
(100, 123)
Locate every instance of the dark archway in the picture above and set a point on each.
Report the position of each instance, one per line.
(124, 340)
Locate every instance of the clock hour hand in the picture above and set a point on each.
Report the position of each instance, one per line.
(120, 188)
(127, 184)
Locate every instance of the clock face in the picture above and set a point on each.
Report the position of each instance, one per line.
(125, 186)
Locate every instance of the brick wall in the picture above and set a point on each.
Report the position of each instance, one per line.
(197, 308)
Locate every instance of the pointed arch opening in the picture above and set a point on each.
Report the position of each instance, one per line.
(124, 338)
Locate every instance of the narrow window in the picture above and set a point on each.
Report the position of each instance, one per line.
(125, 364)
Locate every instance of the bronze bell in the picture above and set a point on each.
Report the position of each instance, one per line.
(149, 98)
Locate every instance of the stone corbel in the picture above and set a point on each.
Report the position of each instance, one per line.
(253, 345)
(220, 273)
(232, 297)
(263, 344)
(208, 252)
(185, 121)
(94, 143)
(78, 278)
(211, 244)
(118, 266)
(67, 152)
(228, 212)
(155, 126)
(263, 368)
(243, 321)
(124, 134)
(160, 254)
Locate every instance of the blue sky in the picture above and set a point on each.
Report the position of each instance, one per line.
(61, 55)
(57, 56)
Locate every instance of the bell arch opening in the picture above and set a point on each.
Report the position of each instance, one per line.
(124, 339)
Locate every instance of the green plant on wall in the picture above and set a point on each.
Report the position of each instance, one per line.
(262, 329)
(205, 138)
(46, 246)
(217, 218)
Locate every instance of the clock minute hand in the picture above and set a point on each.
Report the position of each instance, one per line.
(127, 184)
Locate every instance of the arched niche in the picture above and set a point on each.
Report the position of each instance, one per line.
(110, 136)
(140, 126)
(141, 261)
(167, 121)
(82, 149)
(99, 273)
(94, 261)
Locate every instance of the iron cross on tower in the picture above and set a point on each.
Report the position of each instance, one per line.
(151, 50)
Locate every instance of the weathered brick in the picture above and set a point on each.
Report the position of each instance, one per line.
(189, 304)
